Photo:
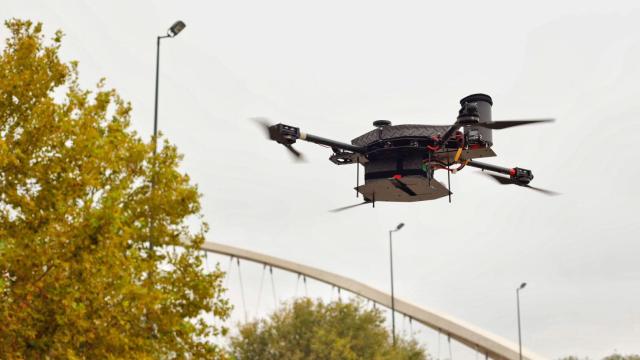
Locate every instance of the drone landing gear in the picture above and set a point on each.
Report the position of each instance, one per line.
(449, 179)
(402, 189)
(399, 189)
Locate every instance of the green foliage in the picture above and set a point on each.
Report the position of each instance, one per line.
(307, 329)
(614, 356)
(622, 357)
(78, 278)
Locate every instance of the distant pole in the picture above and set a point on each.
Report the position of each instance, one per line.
(174, 30)
(393, 304)
(518, 304)
(155, 108)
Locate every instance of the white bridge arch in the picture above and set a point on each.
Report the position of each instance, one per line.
(486, 343)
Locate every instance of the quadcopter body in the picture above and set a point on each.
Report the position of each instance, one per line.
(400, 160)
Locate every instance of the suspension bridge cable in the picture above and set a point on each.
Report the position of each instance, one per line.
(264, 268)
(244, 303)
(466, 335)
(226, 278)
(295, 294)
(306, 293)
(273, 288)
(411, 327)
(449, 340)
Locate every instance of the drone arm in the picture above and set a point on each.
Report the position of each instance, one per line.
(518, 175)
(287, 136)
(445, 137)
(329, 142)
(490, 167)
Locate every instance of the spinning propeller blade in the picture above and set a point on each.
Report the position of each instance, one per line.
(503, 124)
(295, 152)
(503, 180)
(544, 191)
(348, 207)
(266, 124)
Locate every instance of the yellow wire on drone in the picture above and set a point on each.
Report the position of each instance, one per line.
(458, 153)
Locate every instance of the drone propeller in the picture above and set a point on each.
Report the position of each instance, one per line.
(295, 152)
(503, 124)
(502, 180)
(266, 124)
(349, 206)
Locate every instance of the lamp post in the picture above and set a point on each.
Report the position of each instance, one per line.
(174, 30)
(518, 304)
(393, 305)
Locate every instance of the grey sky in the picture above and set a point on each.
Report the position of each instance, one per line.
(332, 67)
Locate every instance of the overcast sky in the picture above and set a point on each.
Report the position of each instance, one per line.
(332, 67)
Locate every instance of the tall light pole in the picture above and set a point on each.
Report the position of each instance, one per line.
(393, 304)
(518, 304)
(174, 30)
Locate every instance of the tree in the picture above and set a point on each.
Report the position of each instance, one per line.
(307, 329)
(82, 198)
(614, 356)
(617, 356)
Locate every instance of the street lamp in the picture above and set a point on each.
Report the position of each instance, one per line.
(393, 305)
(518, 304)
(174, 30)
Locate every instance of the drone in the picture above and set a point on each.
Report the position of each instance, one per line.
(400, 160)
